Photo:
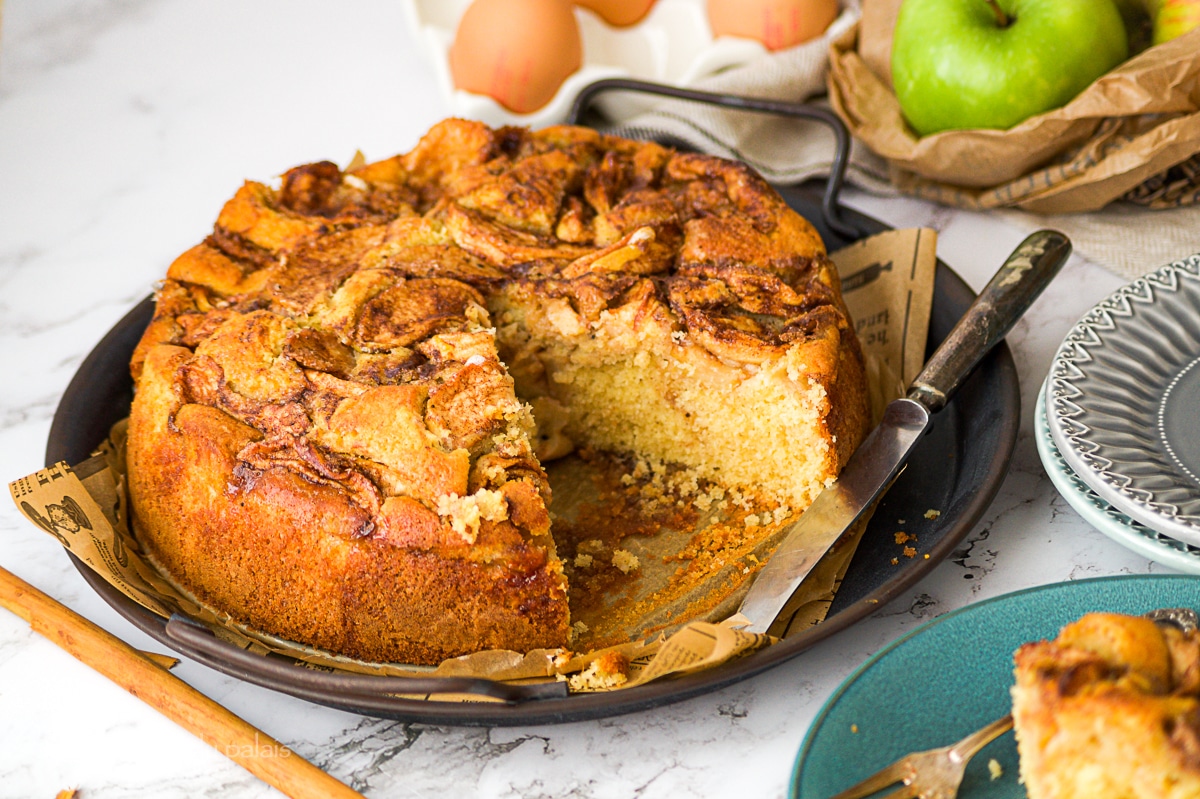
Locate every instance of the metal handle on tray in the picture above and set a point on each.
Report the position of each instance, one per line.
(841, 156)
(197, 638)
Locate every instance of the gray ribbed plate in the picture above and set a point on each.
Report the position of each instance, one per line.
(1123, 400)
(1104, 517)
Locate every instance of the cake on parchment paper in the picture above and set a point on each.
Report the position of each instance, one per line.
(347, 392)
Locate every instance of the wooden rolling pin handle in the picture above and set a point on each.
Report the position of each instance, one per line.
(254, 750)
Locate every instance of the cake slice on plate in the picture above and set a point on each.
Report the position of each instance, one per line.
(1110, 708)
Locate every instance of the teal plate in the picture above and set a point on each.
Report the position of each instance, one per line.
(952, 676)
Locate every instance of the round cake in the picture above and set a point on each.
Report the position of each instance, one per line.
(346, 394)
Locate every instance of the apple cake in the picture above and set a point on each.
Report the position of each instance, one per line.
(347, 391)
(1110, 708)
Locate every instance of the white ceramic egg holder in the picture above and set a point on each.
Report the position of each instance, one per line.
(671, 44)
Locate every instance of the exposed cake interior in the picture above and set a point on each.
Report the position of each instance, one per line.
(706, 330)
(623, 384)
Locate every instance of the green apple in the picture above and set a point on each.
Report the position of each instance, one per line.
(987, 64)
(1174, 18)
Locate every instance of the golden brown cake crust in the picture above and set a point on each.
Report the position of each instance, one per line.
(324, 441)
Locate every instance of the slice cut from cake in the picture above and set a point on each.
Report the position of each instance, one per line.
(1110, 708)
(346, 392)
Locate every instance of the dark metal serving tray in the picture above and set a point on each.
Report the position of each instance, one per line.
(957, 469)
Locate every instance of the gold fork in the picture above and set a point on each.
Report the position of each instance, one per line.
(931, 774)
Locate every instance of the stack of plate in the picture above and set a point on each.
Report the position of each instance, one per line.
(1118, 420)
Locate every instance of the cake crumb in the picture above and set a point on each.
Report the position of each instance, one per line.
(610, 670)
(854, 728)
(624, 560)
(752, 520)
(910, 552)
(593, 546)
(705, 499)
(465, 513)
(740, 499)
(895, 561)
(932, 514)
(583, 561)
(902, 537)
(994, 769)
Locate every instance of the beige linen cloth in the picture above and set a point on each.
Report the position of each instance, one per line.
(1127, 239)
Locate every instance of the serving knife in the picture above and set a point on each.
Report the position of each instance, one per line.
(878, 460)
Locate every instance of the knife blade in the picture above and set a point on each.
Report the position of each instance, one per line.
(880, 458)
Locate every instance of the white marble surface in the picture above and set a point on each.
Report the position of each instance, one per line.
(123, 126)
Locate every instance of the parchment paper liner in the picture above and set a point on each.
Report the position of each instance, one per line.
(1120, 138)
(888, 285)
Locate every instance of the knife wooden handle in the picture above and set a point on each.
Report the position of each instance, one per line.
(1007, 295)
(257, 752)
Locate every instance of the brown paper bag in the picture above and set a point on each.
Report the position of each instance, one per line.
(1130, 127)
